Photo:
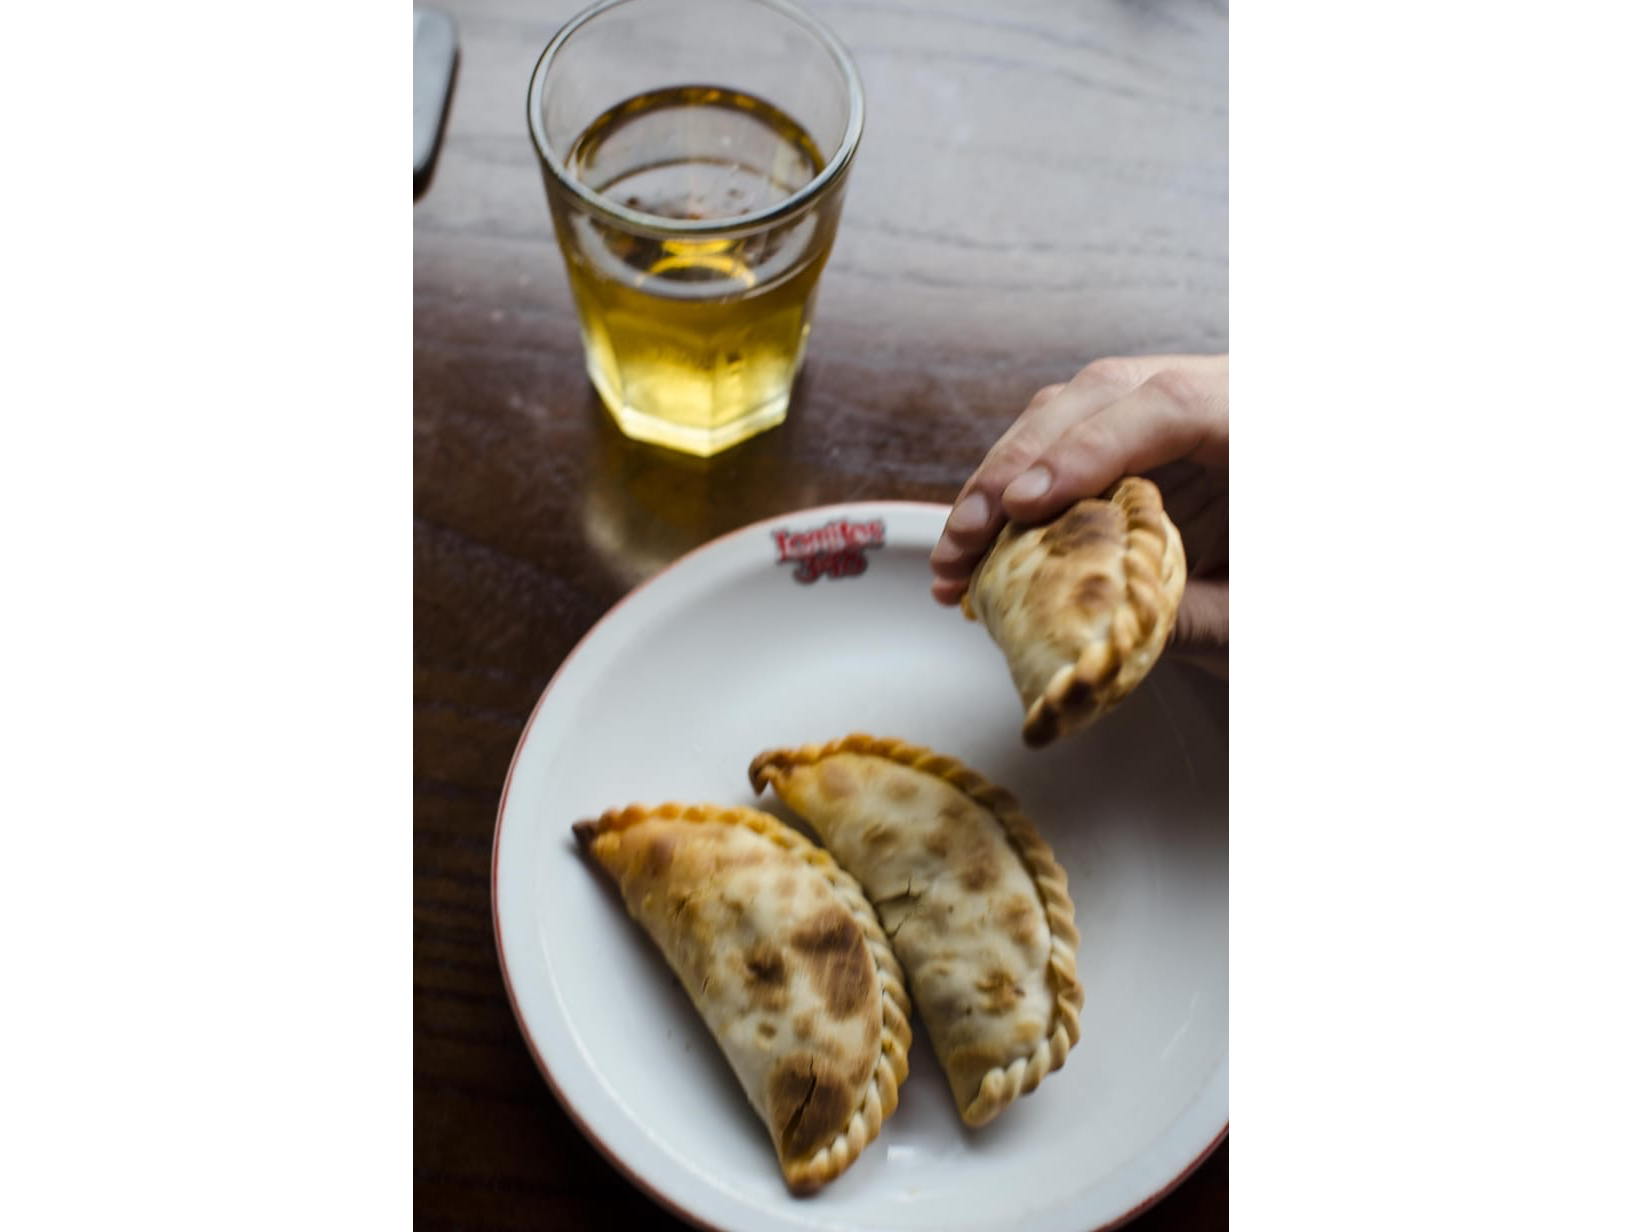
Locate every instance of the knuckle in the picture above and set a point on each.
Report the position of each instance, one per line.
(1179, 388)
(1044, 395)
(1111, 373)
(1091, 443)
(1010, 457)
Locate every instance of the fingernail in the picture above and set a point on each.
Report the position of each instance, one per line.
(971, 514)
(946, 552)
(1029, 485)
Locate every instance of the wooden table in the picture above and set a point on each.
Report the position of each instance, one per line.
(1041, 182)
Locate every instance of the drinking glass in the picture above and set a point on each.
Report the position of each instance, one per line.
(695, 156)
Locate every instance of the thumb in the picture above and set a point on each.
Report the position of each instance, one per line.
(1202, 627)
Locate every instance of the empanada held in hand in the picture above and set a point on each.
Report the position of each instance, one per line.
(1081, 606)
(971, 896)
(785, 961)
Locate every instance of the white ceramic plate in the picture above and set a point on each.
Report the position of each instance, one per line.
(725, 654)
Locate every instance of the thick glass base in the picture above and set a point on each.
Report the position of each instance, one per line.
(686, 438)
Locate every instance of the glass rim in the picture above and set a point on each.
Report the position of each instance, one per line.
(655, 224)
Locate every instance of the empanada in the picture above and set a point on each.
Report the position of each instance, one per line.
(1081, 606)
(785, 961)
(971, 896)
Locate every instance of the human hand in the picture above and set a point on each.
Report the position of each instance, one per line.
(1165, 416)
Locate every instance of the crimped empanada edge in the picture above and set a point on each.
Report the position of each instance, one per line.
(1001, 1085)
(883, 1093)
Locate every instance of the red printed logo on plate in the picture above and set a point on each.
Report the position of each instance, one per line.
(837, 549)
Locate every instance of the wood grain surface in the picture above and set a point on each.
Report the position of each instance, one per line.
(1041, 182)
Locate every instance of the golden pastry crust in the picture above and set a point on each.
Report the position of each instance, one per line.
(784, 959)
(974, 902)
(1081, 606)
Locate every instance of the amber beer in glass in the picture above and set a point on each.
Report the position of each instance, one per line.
(695, 156)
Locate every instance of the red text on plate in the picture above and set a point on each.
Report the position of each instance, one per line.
(836, 549)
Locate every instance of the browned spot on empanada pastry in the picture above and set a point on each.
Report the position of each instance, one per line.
(807, 1100)
(1096, 591)
(765, 976)
(981, 872)
(974, 1062)
(1020, 919)
(877, 836)
(902, 791)
(785, 961)
(658, 857)
(999, 992)
(764, 965)
(1027, 1030)
(1083, 526)
(838, 961)
(837, 785)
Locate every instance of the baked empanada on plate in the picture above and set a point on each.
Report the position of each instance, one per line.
(785, 961)
(971, 896)
(1081, 606)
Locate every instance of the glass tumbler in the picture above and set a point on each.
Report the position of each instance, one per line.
(695, 156)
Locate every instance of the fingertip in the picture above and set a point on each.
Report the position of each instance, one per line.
(969, 515)
(1030, 485)
(948, 591)
(946, 555)
(1027, 498)
(950, 563)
